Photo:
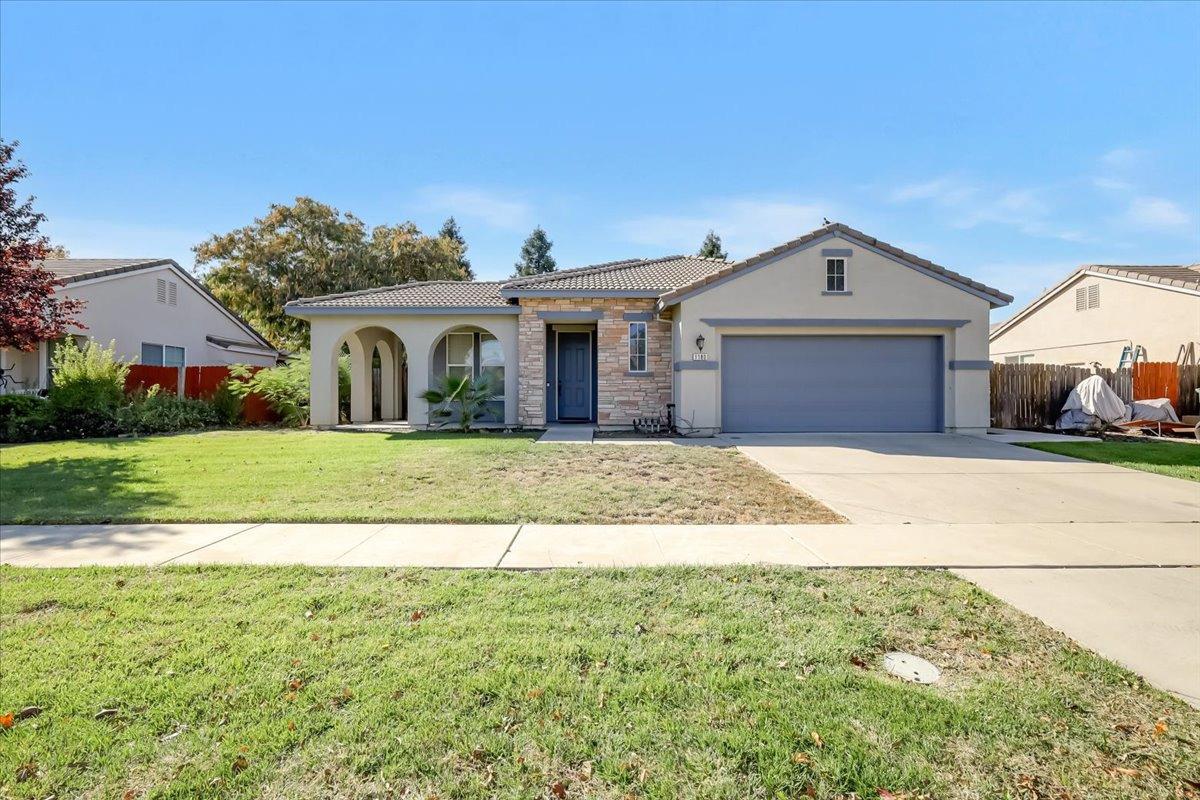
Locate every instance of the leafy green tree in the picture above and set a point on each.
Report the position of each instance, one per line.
(535, 255)
(711, 248)
(451, 232)
(307, 249)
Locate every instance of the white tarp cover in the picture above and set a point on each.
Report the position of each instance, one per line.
(1159, 410)
(1093, 402)
(1094, 398)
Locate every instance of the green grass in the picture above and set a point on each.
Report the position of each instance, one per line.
(1176, 459)
(308, 476)
(673, 683)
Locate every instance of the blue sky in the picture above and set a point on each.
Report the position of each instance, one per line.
(1009, 142)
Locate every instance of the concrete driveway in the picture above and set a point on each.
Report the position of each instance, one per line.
(1145, 619)
(929, 477)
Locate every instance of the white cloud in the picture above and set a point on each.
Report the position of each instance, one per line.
(487, 206)
(1112, 184)
(746, 225)
(1123, 157)
(1157, 212)
(946, 190)
(967, 205)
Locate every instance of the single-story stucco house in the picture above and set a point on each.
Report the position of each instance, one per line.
(833, 331)
(151, 309)
(1107, 315)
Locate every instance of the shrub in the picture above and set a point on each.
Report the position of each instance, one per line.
(160, 412)
(23, 418)
(89, 386)
(460, 399)
(286, 387)
(227, 404)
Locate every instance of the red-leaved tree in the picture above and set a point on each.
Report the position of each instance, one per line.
(29, 311)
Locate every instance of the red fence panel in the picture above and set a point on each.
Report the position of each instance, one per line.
(202, 381)
(1155, 379)
(145, 376)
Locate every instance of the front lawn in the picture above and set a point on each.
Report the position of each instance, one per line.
(673, 683)
(309, 476)
(1176, 459)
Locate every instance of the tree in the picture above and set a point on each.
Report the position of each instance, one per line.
(535, 255)
(29, 311)
(711, 248)
(307, 249)
(451, 232)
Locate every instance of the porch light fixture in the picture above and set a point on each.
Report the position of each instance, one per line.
(700, 343)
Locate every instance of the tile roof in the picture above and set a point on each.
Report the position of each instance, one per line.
(1181, 276)
(1185, 276)
(634, 275)
(417, 294)
(70, 270)
(838, 228)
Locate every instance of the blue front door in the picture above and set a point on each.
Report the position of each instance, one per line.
(574, 376)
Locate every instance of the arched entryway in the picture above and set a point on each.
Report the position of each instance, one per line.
(372, 373)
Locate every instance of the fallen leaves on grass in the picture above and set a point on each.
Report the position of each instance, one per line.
(27, 771)
(416, 616)
(817, 740)
(6, 720)
(107, 713)
(240, 764)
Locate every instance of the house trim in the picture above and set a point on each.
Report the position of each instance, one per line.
(970, 365)
(874, 322)
(330, 311)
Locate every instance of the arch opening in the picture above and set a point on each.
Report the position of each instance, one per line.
(472, 351)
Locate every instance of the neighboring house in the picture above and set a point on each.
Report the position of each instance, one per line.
(1105, 316)
(834, 331)
(155, 312)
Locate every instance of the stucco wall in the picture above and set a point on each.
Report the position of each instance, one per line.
(791, 288)
(418, 334)
(124, 308)
(1158, 319)
(621, 396)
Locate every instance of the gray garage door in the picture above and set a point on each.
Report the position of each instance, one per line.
(831, 383)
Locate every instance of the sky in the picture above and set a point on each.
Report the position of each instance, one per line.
(1009, 142)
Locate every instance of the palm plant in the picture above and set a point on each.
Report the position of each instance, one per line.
(459, 398)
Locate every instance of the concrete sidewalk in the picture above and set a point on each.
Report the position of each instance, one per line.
(984, 545)
(1108, 594)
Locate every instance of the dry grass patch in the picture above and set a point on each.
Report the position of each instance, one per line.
(307, 476)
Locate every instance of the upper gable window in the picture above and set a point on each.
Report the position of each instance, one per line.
(835, 274)
(1087, 297)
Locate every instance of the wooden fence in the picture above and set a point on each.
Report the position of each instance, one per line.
(1032, 395)
(196, 381)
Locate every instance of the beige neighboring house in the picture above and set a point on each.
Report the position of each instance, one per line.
(155, 312)
(1106, 316)
(833, 331)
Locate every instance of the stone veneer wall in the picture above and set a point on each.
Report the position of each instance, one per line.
(620, 397)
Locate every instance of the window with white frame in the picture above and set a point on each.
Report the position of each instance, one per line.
(491, 363)
(835, 274)
(1024, 358)
(460, 354)
(637, 347)
(162, 355)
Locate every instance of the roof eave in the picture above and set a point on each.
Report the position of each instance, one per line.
(304, 312)
(516, 294)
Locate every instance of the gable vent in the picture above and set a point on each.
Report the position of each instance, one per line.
(172, 293)
(1087, 297)
(160, 287)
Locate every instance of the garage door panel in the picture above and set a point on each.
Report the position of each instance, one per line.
(831, 383)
